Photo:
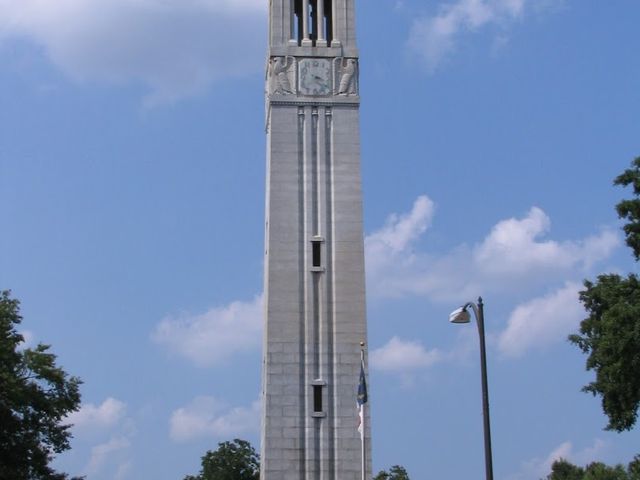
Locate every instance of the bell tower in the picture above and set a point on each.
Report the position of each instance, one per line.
(314, 254)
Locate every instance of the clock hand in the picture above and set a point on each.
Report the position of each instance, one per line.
(319, 80)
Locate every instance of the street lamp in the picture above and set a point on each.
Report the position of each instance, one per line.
(461, 315)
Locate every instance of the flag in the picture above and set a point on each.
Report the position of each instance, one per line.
(362, 397)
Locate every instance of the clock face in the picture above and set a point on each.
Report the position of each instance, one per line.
(315, 76)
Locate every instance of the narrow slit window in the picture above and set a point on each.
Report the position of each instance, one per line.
(328, 21)
(317, 398)
(316, 253)
(297, 20)
(313, 24)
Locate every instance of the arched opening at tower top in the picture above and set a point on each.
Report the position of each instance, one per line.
(312, 20)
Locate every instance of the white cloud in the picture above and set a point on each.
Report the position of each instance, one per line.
(103, 416)
(212, 337)
(390, 249)
(401, 356)
(432, 38)
(401, 230)
(514, 246)
(123, 470)
(210, 417)
(541, 467)
(514, 254)
(542, 321)
(102, 454)
(109, 431)
(175, 48)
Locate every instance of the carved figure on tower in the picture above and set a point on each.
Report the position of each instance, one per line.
(347, 80)
(279, 75)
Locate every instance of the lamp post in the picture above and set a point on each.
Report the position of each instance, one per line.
(461, 315)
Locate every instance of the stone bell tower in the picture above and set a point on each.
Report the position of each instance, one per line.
(314, 255)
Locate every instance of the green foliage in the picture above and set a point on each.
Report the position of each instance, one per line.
(634, 468)
(395, 473)
(35, 397)
(630, 209)
(610, 335)
(564, 470)
(600, 471)
(236, 460)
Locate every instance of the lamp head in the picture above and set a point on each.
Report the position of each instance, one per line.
(460, 315)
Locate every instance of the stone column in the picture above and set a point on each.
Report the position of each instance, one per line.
(336, 31)
(306, 41)
(320, 41)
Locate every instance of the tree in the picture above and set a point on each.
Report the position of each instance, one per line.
(35, 397)
(630, 209)
(634, 468)
(236, 460)
(600, 471)
(395, 473)
(610, 335)
(564, 470)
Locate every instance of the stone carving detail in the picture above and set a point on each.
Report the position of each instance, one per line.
(347, 76)
(281, 77)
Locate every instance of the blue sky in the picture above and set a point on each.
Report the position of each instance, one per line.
(132, 153)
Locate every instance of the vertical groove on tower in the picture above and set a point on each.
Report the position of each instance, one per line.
(317, 463)
(330, 319)
(302, 291)
(314, 231)
(315, 173)
(309, 348)
(318, 300)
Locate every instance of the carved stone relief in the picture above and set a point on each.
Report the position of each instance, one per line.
(346, 71)
(281, 76)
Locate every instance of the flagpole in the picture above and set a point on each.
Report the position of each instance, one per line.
(363, 415)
